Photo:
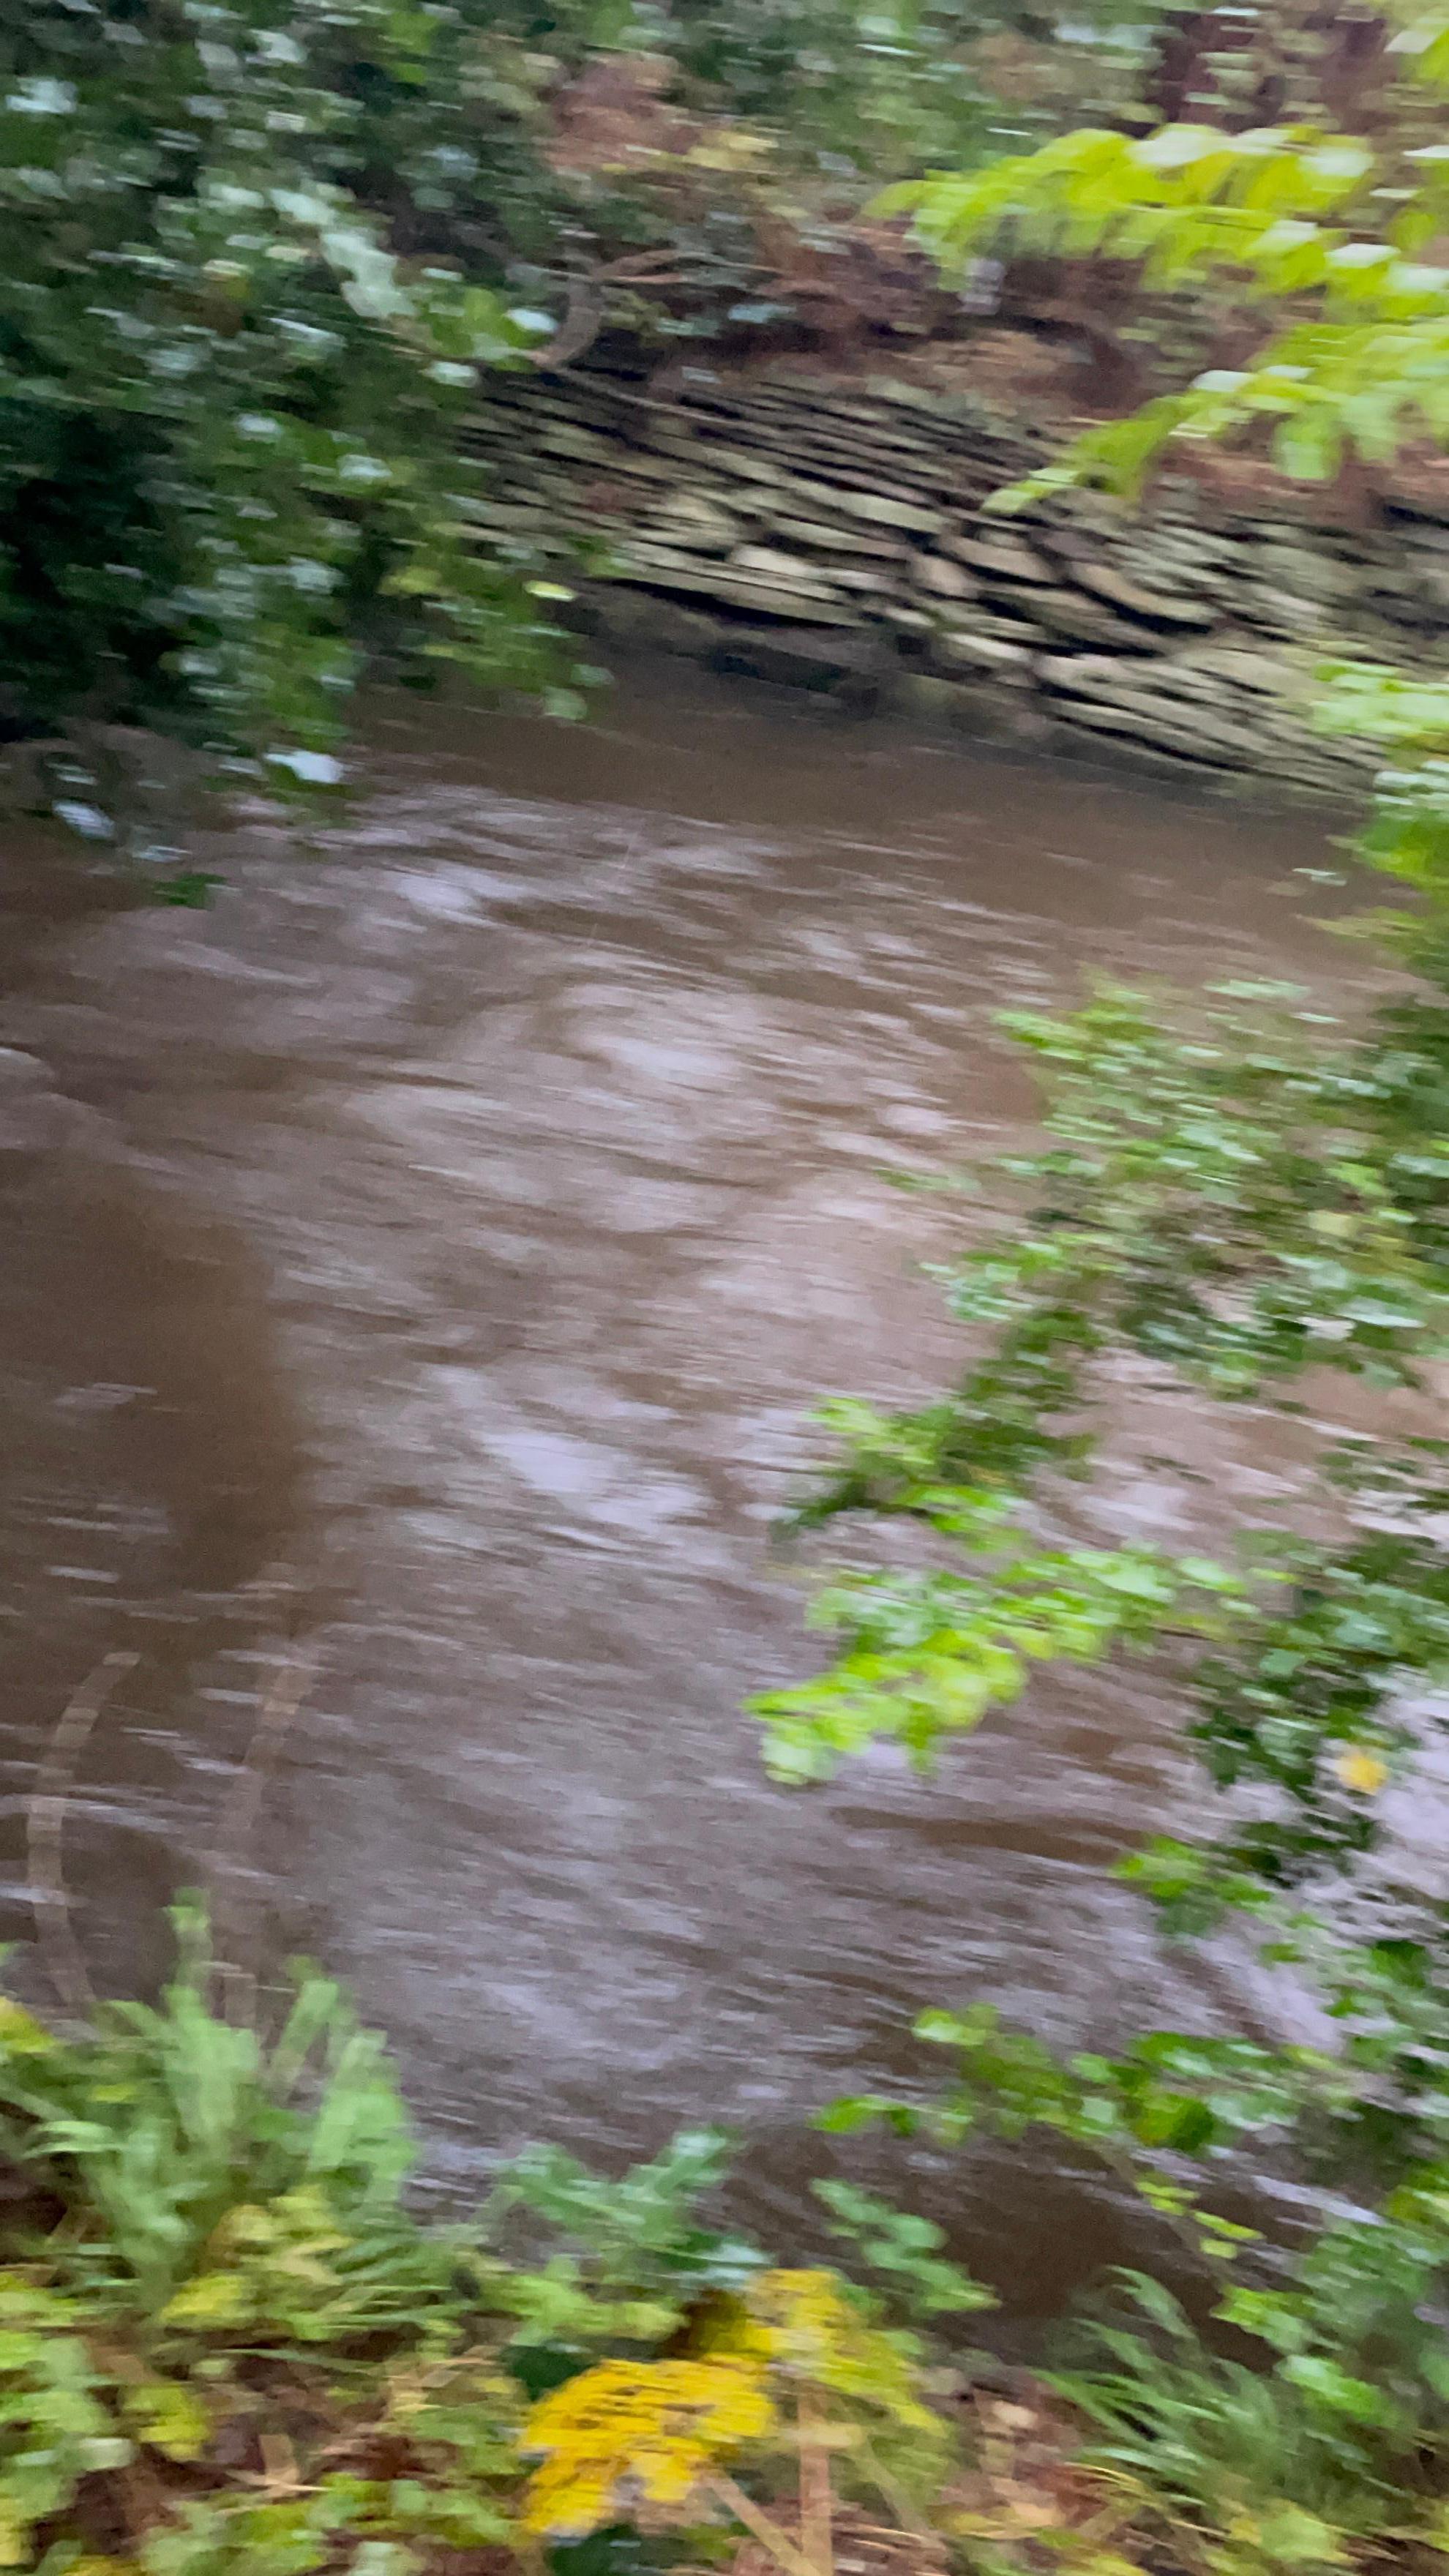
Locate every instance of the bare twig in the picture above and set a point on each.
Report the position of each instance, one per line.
(580, 327)
(585, 308)
(817, 2499)
(744, 2508)
(907, 2514)
(45, 1825)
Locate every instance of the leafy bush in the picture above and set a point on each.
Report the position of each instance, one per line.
(1236, 1203)
(256, 260)
(235, 356)
(226, 2340)
(1237, 1197)
(1332, 235)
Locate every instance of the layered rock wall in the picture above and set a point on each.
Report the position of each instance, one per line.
(833, 534)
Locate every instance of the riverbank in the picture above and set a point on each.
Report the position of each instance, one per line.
(232, 2348)
(832, 534)
(229, 2342)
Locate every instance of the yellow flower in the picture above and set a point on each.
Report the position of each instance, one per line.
(629, 2430)
(805, 2327)
(169, 2417)
(1364, 1773)
(817, 2333)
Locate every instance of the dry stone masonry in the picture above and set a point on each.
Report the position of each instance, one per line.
(833, 534)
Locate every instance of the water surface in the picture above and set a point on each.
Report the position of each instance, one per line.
(430, 1253)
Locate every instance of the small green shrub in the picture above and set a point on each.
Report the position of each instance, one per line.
(1250, 1199)
(227, 2343)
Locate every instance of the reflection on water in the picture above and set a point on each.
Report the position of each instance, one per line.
(442, 1242)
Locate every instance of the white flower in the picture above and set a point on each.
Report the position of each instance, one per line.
(39, 97)
(314, 768)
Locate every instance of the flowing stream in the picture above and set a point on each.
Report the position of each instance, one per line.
(429, 1255)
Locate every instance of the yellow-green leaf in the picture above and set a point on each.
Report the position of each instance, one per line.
(168, 2417)
(210, 2299)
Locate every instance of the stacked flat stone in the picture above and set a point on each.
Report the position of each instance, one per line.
(836, 534)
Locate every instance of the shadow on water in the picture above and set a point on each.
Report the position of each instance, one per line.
(448, 1232)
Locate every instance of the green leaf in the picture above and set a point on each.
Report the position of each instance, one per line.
(168, 2417)
(1330, 2385)
(1309, 445)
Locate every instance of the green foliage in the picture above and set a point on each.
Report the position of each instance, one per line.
(1235, 1201)
(1273, 2470)
(1312, 223)
(224, 2333)
(642, 2231)
(904, 2249)
(217, 2251)
(1237, 1204)
(923, 1655)
(235, 344)
(257, 258)
(882, 87)
(625, 2258)
(54, 2428)
(1231, 1198)
(225, 2174)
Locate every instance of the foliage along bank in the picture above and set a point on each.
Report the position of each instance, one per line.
(227, 2344)
(1246, 1203)
(256, 258)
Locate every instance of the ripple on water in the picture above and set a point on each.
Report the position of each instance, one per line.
(456, 1229)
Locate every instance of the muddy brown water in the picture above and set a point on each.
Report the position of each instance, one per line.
(431, 1252)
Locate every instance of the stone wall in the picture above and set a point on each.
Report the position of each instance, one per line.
(831, 533)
